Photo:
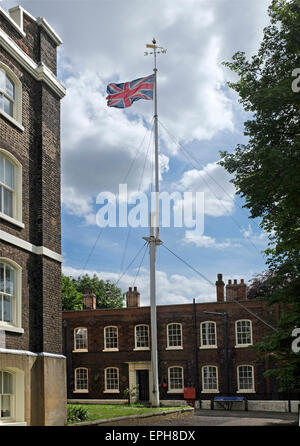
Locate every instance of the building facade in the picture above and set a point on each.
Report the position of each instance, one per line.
(32, 367)
(204, 349)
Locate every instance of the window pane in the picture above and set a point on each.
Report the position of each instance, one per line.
(7, 309)
(174, 332)
(1, 101)
(1, 169)
(81, 338)
(10, 87)
(9, 280)
(210, 378)
(5, 406)
(81, 379)
(244, 332)
(111, 337)
(112, 380)
(2, 277)
(208, 334)
(142, 338)
(2, 80)
(245, 378)
(9, 174)
(8, 106)
(7, 383)
(176, 378)
(8, 202)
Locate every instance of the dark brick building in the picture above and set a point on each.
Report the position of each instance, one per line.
(32, 367)
(206, 346)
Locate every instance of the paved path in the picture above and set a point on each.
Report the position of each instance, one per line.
(228, 418)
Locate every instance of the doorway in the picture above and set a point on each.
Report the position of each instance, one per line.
(142, 380)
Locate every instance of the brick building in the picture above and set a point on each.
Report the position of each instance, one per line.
(32, 367)
(206, 346)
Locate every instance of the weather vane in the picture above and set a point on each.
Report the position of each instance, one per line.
(155, 48)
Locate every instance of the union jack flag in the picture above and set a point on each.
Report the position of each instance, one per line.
(123, 95)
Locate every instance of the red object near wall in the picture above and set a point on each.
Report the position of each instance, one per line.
(189, 393)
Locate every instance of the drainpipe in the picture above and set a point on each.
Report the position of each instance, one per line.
(196, 350)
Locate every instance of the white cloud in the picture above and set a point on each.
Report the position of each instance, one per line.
(213, 181)
(99, 144)
(171, 289)
(205, 241)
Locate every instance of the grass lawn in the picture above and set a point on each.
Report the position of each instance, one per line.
(102, 411)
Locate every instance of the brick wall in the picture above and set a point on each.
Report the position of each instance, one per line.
(191, 357)
(37, 148)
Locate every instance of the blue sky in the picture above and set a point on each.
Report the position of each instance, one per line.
(104, 41)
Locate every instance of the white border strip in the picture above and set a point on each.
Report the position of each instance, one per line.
(39, 250)
(39, 72)
(49, 30)
(11, 21)
(28, 353)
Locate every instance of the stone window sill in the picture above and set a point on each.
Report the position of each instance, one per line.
(174, 348)
(11, 328)
(210, 391)
(12, 120)
(175, 391)
(12, 220)
(246, 391)
(203, 347)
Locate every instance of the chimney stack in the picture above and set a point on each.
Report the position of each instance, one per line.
(236, 291)
(220, 288)
(89, 300)
(132, 298)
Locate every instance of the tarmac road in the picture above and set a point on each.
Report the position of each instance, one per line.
(228, 418)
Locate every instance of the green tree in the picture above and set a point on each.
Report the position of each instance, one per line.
(267, 170)
(107, 294)
(71, 298)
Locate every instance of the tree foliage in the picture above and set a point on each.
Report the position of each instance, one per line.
(73, 289)
(267, 170)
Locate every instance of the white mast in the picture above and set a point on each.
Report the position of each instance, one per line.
(154, 240)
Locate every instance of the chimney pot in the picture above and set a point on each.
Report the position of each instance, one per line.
(220, 288)
(235, 281)
(132, 298)
(89, 300)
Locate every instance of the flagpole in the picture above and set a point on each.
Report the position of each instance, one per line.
(153, 242)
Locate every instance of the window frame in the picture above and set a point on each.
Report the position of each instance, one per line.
(175, 347)
(176, 390)
(106, 390)
(239, 390)
(237, 345)
(204, 390)
(76, 390)
(16, 324)
(202, 345)
(16, 117)
(135, 337)
(16, 219)
(75, 343)
(110, 349)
